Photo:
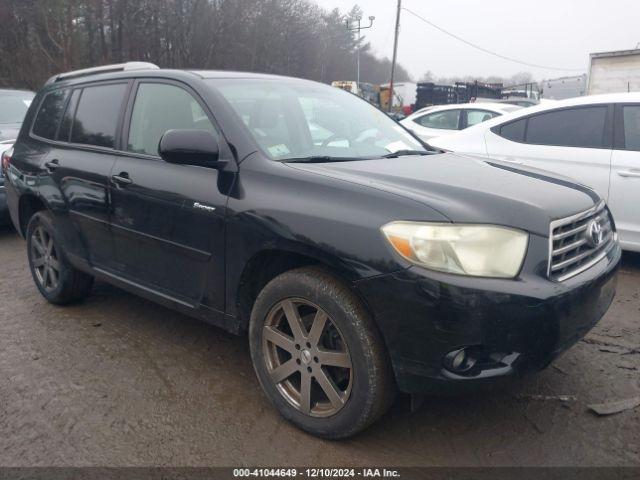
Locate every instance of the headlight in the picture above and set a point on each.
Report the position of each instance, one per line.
(476, 250)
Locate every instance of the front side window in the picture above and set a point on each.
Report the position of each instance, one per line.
(572, 127)
(631, 116)
(293, 119)
(14, 106)
(159, 108)
(447, 120)
(97, 115)
(478, 116)
(49, 115)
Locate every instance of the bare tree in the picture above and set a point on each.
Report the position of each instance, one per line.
(289, 37)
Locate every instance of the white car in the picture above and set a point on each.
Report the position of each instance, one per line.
(433, 122)
(594, 140)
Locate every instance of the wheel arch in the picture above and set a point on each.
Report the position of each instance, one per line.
(267, 264)
(29, 204)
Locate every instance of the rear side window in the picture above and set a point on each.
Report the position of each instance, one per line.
(478, 116)
(97, 115)
(49, 115)
(573, 127)
(513, 131)
(447, 120)
(631, 115)
(67, 119)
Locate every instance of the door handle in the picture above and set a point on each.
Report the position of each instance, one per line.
(629, 173)
(52, 165)
(121, 179)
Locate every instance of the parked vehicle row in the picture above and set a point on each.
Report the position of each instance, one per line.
(593, 140)
(431, 122)
(411, 97)
(358, 263)
(13, 108)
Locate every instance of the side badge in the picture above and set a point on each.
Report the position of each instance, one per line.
(206, 208)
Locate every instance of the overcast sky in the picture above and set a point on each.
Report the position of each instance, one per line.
(556, 33)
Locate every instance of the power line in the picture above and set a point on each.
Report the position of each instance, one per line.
(504, 57)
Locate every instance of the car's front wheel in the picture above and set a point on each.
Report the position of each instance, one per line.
(54, 276)
(318, 355)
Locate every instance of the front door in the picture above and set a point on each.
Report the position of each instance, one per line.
(167, 219)
(624, 196)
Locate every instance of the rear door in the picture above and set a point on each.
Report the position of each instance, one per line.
(168, 220)
(79, 166)
(574, 142)
(624, 197)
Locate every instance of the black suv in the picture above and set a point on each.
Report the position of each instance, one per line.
(358, 263)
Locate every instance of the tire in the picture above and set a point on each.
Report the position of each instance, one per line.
(348, 351)
(52, 273)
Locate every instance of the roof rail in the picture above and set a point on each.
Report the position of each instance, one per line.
(119, 67)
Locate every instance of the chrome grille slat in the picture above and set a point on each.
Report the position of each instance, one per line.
(575, 231)
(569, 247)
(571, 251)
(606, 230)
(577, 258)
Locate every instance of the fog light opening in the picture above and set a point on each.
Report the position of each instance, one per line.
(459, 361)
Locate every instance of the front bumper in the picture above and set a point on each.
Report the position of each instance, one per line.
(513, 326)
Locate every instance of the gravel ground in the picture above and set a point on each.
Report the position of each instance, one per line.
(120, 381)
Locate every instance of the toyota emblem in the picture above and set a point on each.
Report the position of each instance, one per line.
(595, 234)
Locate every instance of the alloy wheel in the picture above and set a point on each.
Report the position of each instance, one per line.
(44, 259)
(307, 357)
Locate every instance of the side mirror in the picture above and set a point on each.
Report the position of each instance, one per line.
(190, 147)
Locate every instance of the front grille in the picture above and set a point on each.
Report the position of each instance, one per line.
(574, 242)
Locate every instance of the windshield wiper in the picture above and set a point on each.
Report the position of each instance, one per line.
(320, 159)
(328, 159)
(402, 153)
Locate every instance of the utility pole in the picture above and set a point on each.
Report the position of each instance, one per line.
(358, 19)
(395, 55)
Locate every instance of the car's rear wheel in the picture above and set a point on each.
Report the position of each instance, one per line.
(52, 273)
(318, 355)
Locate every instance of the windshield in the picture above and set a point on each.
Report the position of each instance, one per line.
(293, 119)
(14, 106)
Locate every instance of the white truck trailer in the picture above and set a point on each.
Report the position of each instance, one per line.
(614, 72)
(564, 87)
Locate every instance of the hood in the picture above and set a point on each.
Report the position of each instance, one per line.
(469, 189)
(9, 131)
